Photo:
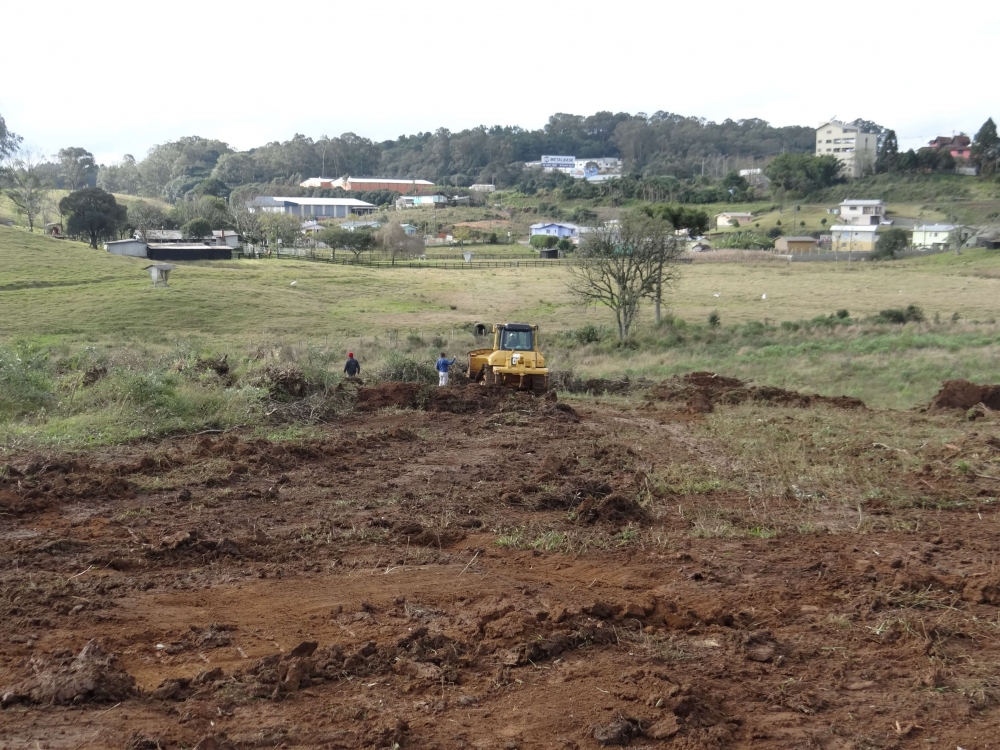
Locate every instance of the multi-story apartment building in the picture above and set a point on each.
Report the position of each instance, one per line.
(855, 148)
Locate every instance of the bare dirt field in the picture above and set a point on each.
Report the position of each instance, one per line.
(471, 569)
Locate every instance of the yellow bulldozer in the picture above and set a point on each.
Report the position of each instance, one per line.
(514, 360)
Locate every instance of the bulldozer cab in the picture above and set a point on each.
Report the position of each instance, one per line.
(515, 337)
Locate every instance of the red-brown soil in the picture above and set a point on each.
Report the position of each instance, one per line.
(961, 394)
(350, 592)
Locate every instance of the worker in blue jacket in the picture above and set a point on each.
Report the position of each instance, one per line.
(442, 366)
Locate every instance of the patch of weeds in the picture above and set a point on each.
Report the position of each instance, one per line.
(134, 513)
(512, 539)
(626, 536)
(762, 532)
(549, 541)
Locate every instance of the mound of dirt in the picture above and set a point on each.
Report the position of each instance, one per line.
(389, 395)
(701, 391)
(456, 400)
(92, 677)
(961, 394)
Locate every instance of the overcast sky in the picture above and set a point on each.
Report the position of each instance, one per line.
(118, 76)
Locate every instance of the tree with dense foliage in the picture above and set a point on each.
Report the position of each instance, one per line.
(25, 185)
(144, 216)
(93, 213)
(621, 264)
(77, 168)
(889, 243)
(661, 144)
(695, 221)
(9, 142)
(122, 177)
(801, 174)
(197, 229)
(281, 229)
(888, 153)
(985, 152)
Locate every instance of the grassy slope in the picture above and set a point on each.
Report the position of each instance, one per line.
(70, 289)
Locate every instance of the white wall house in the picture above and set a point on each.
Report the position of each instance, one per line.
(555, 229)
(932, 235)
(725, 219)
(862, 212)
(855, 148)
(133, 248)
(846, 238)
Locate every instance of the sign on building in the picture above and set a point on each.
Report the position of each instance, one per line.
(558, 162)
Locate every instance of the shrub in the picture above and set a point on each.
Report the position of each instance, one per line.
(754, 328)
(24, 383)
(892, 315)
(843, 314)
(714, 321)
(544, 241)
(493, 238)
(414, 339)
(912, 314)
(789, 325)
(889, 243)
(398, 367)
(564, 245)
(589, 334)
(774, 232)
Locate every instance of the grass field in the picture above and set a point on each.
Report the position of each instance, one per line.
(74, 291)
(67, 309)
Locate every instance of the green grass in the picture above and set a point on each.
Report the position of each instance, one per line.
(67, 309)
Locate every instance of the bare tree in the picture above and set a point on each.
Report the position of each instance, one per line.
(620, 264)
(246, 222)
(395, 242)
(145, 216)
(25, 185)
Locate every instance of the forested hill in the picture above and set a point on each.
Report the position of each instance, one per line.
(658, 144)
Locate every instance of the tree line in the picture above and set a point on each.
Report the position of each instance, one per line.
(651, 145)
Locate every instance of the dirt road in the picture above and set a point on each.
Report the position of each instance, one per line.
(502, 575)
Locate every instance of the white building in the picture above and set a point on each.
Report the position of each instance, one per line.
(604, 163)
(725, 219)
(335, 208)
(862, 212)
(855, 148)
(135, 248)
(932, 235)
(482, 187)
(555, 229)
(847, 238)
(226, 237)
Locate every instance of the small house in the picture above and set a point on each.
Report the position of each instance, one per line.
(726, 219)
(226, 237)
(932, 235)
(795, 244)
(555, 229)
(862, 212)
(847, 238)
(133, 248)
(409, 229)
